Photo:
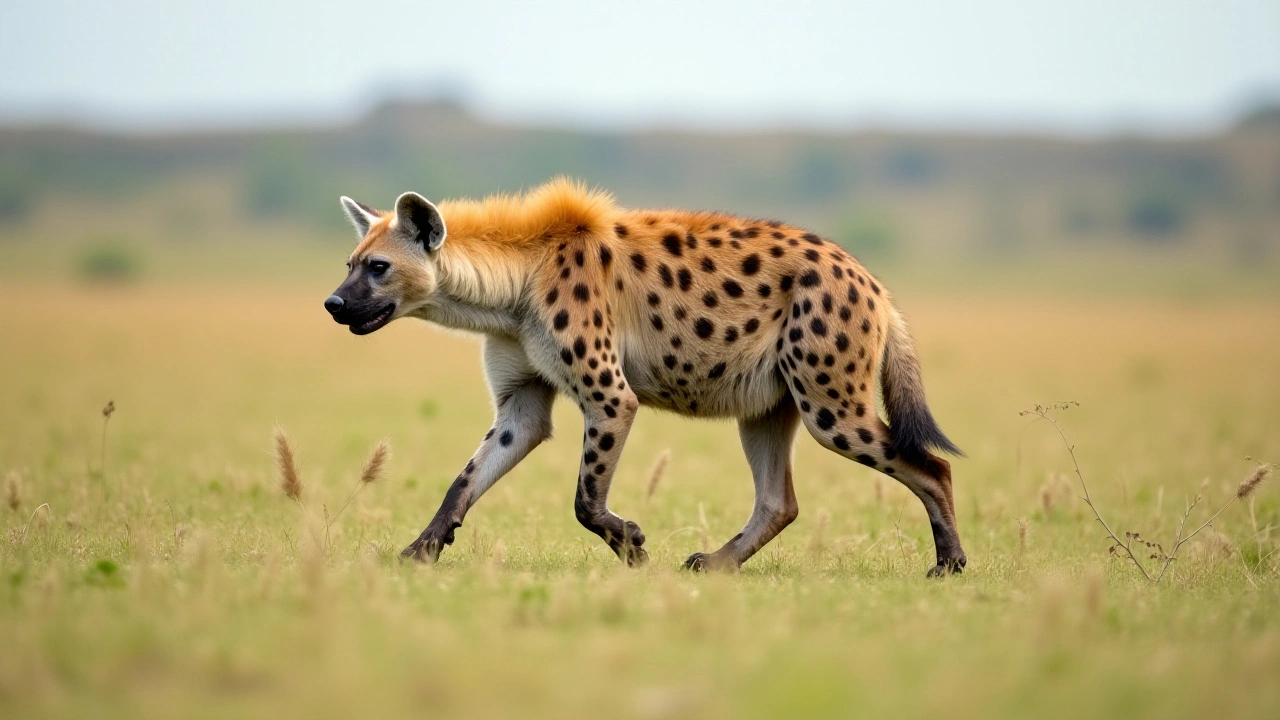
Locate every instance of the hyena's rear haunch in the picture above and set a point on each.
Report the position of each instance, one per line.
(698, 313)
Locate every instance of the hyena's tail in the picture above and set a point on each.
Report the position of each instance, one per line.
(911, 425)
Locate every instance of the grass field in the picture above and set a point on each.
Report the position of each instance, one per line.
(169, 577)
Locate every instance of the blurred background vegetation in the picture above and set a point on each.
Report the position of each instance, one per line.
(1114, 209)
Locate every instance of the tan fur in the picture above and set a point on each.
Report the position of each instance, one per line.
(698, 313)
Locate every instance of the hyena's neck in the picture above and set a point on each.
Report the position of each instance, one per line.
(481, 289)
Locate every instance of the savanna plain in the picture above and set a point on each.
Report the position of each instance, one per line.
(153, 567)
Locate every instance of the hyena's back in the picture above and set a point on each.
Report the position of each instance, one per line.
(707, 307)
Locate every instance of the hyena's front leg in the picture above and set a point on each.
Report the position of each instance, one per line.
(607, 422)
(523, 422)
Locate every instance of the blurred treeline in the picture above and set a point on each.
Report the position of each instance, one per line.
(887, 195)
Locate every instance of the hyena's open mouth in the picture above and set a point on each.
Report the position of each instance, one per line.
(382, 317)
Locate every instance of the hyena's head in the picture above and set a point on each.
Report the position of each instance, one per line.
(392, 271)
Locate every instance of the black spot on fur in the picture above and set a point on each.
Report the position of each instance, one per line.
(811, 238)
(841, 442)
(866, 325)
(751, 326)
(620, 229)
(785, 283)
(751, 264)
(822, 378)
(818, 327)
(764, 291)
(842, 342)
(664, 273)
(812, 255)
(825, 419)
(653, 299)
(606, 442)
(853, 294)
(581, 293)
(676, 342)
(732, 288)
(639, 262)
(566, 355)
(606, 377)
(578, 258)
(596, 318)
(553, 296)
(580, 347)
(704, 328)
(709, 299)
(671, 242)
(730, 334)
(680, 312)
(810, 278)
(561, 320)
(708, 265)
(505, 438)
(685, 277)
(606, 257)
(657, 322)
(866, 460)
(865, 435)
(669, 361)
(716, 371)
(795, 335)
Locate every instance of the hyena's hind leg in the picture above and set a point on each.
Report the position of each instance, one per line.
(767, 441)
(863, 437)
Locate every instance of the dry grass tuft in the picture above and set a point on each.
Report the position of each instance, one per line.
(13, 490)
(1251, 483)
(656, 473)
(377, 459)
(290, 478)
(1134, 540)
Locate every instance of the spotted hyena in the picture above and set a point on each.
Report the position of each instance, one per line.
(699, 313)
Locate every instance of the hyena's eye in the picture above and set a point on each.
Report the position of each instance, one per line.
(379, 267)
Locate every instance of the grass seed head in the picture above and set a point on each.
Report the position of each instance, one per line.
(377, 459)
(13, 491)
(108, 409)
(290, 479)
(657, 471)
(1251, 483)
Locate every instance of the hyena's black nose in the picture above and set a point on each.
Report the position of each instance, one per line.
(333, 304)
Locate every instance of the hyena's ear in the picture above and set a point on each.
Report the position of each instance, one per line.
(361, 215)
(419, 220)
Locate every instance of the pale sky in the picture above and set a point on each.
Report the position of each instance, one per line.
(1078, 66)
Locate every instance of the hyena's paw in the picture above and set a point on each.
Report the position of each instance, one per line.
(628, 544)
(709, 562)
(951, 566)
(427, 548)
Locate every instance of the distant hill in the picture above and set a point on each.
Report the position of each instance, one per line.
(882, 189)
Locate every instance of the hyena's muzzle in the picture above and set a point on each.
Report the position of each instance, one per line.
(355, 305)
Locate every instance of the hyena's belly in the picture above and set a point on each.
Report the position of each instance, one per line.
(692, 381)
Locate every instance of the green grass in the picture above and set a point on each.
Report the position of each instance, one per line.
(177, 581)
